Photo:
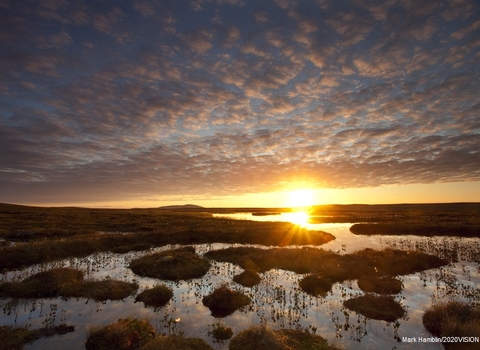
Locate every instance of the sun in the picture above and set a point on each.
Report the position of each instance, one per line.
(300, 218)
(301, 198)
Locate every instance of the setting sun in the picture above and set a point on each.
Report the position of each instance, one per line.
(300, 218)
(301, 198)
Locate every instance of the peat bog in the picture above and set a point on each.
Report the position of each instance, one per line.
(180, 272)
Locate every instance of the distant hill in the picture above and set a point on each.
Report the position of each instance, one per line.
(185, 206)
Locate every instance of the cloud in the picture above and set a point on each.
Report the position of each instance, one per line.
(219, 98)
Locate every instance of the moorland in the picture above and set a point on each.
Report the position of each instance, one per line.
(37, 236)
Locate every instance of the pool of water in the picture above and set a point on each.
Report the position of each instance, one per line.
(277, 301)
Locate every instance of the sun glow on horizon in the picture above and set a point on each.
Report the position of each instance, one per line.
(301, 198)
(300, 218)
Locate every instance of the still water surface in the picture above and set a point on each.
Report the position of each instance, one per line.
(277, 301)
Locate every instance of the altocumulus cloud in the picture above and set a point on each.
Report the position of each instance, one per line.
(110, 100)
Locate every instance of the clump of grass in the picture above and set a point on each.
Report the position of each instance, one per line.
(376, 307)
(382, 285)
(14, 338)
(132, 247)
(327, 267)
(454, 319)
(176, 342)
(157, 296)
(100, 290)
(263, 338)
(220, 332)
(416, 229)
(316, 284)
(125, 334)
(224, 301)
(45, 284)
(175, 264)
(66, 282)
(247, 278)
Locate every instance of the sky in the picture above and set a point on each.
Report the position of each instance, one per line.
(238, 102)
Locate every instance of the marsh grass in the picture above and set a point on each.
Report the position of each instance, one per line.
(125, 334)
(174, 264)
(376, 307)
(225, 301)
(263, 338)
(176, 342)
(157, 296)
(66, 282)
(221, 332)
(14, 338)
(247, 278)
(99, 290)
(400, 229)
(316, 284)
(382, 285)
(325, 267)
(44, 284)
(454, 319)
(61, 233)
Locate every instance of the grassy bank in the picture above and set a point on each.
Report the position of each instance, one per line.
(326, 267)
(179, 228)
(66, 282)
(415, 229)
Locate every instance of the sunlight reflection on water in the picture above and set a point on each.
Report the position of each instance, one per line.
(277, 300)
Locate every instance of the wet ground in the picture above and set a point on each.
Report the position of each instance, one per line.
(277, 300)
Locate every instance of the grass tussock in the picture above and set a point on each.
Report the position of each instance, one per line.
(263, 338)
(14, 338)
(382, 285)
(225, 301)
(176, 342)
(316, 284)
(415, 229)
(376, 307)
(326, 267)
(454, 319)
(99, 290)
(175, 265)
(220, 332)
(45, 284)
(157, 296)
(66, 282)
(125, 334)
(247, 278)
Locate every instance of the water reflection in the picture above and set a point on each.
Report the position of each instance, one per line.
(277, 300)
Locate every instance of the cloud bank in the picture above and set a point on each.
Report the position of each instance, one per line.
(108, 100)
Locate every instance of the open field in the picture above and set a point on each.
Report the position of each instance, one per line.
(310, 289)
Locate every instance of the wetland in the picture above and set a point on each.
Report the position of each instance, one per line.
(307, 282)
